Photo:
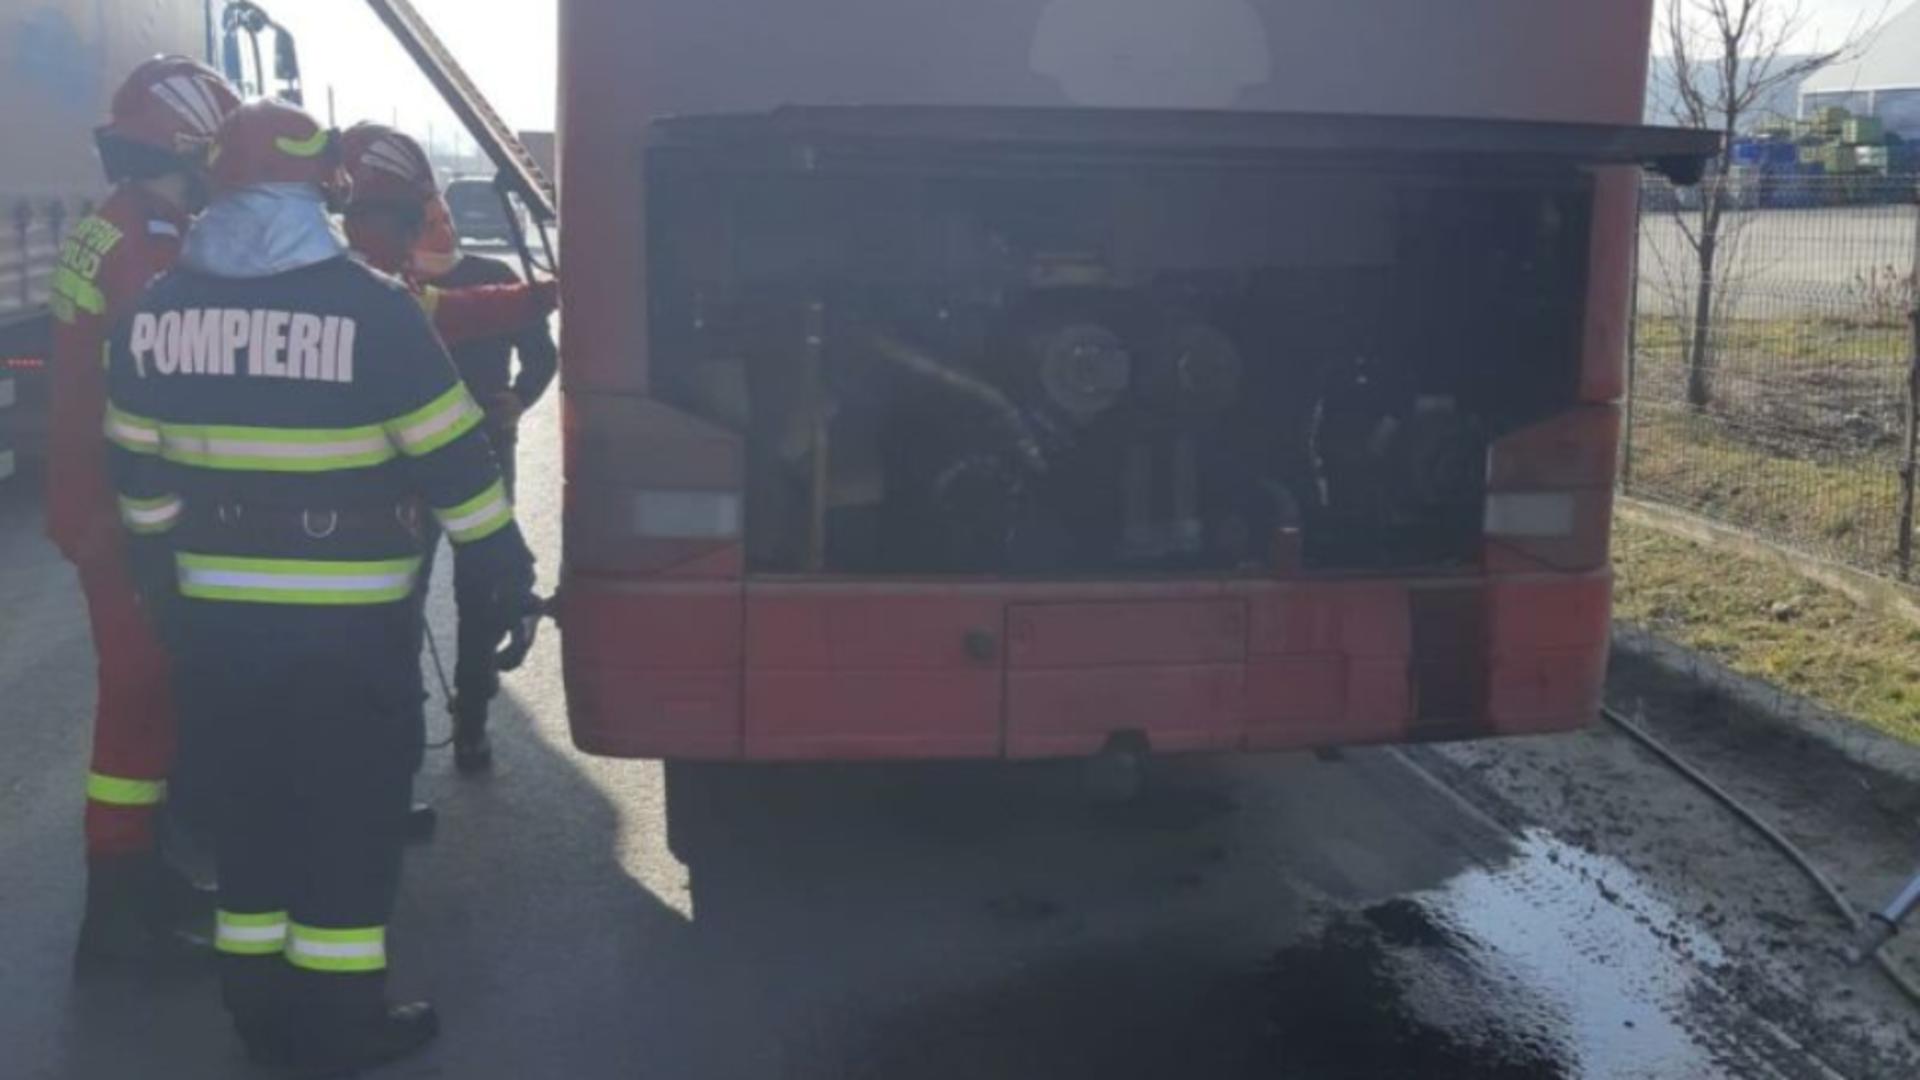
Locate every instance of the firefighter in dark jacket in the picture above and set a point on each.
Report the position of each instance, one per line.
(283, 419)
(486, 365)
(388, 218)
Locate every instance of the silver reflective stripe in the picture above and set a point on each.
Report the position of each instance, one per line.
(157, 516)
(421, 433)
(186, 442)
(337, 950)
(482, 516)
(295, 581)
(150, 515)
(131, 433)
(243, 579)
(250, 934)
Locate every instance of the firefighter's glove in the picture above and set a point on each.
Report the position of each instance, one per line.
(520, 638)
(497, 573)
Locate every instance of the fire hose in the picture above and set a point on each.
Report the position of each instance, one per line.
(1868, 938)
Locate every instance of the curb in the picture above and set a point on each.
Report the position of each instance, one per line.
(1870, 750)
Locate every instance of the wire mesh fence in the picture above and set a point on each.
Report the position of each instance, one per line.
(1776, 396)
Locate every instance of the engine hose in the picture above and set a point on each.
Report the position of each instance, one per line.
(1894, 975)
(1007, 415)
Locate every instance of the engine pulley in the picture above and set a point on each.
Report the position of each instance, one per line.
(1084, 369)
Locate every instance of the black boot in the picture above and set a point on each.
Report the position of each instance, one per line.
(142, 914)
(422, 822)
(472, 751)
(183, 904)
(344, 1023)
(255, 990)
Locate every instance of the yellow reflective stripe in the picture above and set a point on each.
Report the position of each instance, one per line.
(337, 951)
(288, 450)
(311, 146)
(479, 517)
(429, 298)
(238, 934)
(149, 516)
(78, 291)
(120, 791)
(129, 432)
(436, 423)
(295, 581)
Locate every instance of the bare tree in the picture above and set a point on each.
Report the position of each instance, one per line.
(1728, 58)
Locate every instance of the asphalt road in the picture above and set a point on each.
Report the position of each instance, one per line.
(1271, 917)
(1781, 263)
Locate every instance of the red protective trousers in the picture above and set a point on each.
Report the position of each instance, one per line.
(105, 263)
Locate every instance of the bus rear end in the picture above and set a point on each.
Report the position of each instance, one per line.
(1026, 379)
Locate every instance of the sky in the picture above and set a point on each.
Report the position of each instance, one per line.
(1831, 20)
(1828, 23)
(508, 46)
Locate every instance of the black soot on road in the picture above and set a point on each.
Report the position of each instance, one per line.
(1555, 964)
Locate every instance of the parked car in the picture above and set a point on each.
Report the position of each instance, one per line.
(478, 212)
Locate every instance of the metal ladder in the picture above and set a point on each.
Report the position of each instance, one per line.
(519, 173)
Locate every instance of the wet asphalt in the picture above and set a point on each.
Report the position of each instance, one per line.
(1246, 917)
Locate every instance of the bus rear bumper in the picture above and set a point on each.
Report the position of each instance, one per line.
(851, 671)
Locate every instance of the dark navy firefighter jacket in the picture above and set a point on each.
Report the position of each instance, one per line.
(285, 436)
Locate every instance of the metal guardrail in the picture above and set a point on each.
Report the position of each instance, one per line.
(30, 233)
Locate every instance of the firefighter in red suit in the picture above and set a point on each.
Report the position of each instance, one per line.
(393, 183)
(153, 146)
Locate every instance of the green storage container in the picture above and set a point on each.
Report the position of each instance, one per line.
(1864, 129)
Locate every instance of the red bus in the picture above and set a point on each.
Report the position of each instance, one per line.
(1031, 378)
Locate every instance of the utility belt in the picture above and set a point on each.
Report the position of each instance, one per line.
(396, 527)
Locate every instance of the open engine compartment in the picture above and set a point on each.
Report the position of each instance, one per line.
(949, 360)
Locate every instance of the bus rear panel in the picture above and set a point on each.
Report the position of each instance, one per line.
(981, 428)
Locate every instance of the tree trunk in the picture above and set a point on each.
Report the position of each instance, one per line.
(1700, 344)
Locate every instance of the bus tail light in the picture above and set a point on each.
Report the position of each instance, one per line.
(686, 515)
(1550, 493)
(650, 491)
(1530, 514)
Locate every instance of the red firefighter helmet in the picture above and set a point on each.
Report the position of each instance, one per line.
(387, 166)
(163, 118)
(171, 104)
(272, 142)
